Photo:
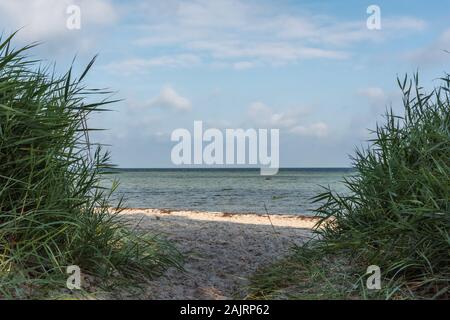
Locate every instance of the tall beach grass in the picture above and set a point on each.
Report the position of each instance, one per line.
(53, 212)
(396, 214)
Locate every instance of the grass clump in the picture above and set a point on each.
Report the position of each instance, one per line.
(396, 214)
(53, 212)
(307, 274)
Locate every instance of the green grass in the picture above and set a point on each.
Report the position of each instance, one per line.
(53, 212)
(396, 215)
(305, 274)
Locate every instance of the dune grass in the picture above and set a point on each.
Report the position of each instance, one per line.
(53, 212)
(396, 215)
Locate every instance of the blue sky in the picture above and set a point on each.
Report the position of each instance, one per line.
(310, 68)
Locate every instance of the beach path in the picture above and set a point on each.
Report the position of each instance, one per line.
(221, 250)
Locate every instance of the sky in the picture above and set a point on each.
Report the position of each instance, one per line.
(312, 69)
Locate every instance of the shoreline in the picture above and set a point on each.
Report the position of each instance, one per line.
(280, 220)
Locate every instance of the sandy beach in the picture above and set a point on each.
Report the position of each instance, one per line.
(221, 249)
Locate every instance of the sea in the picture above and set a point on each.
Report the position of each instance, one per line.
(227, 190)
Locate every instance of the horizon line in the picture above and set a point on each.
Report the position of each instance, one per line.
(231, 168)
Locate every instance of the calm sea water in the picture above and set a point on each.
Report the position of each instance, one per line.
(227, 190)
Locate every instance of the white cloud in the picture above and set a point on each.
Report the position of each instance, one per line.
(219, 13)
(353, 32)
(433, 53)
(262, 115)
(244, 34)
(46, 21)
(373, 93)
(377, 99)
(231, 33)
(411, 24)
(137, 65)
(270, 52)
(318, 129)
(169, 98)
(242, 65)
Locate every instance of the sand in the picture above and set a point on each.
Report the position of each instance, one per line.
(221, 250)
